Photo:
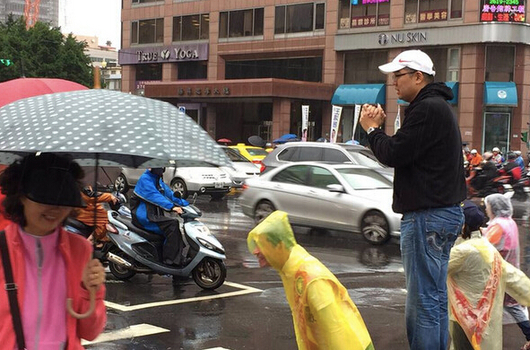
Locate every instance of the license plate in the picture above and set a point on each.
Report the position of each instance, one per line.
(218, 184)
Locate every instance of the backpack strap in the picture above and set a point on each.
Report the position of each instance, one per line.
(11, 289)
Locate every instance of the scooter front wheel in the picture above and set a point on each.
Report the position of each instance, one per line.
(119, 271)
(209, 273)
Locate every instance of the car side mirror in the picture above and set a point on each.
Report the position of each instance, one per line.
(335, 188)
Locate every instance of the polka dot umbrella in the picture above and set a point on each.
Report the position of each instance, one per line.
(106, 127)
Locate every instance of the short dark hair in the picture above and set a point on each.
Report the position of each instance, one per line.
(428, 78)
(12, 180)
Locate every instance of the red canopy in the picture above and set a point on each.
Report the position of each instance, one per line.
(17, 89)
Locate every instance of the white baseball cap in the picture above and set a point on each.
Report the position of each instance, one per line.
(413, 59)
(473, 151)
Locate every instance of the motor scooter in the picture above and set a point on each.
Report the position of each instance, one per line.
(133, 250)
(478, 185)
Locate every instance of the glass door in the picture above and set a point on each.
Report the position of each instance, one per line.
(496, 131)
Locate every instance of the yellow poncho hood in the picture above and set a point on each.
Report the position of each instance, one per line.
(274, 237)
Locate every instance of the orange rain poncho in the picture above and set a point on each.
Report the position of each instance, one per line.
(478, 277)
(324, 316)
(86, 215)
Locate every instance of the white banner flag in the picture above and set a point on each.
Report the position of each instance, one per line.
(356, 114)
(397, 122)
(305, 121)
(335, 119)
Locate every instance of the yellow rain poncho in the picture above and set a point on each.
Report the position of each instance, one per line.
(478, 277)
(323, 314)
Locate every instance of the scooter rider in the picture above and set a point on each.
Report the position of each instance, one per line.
(150, 202)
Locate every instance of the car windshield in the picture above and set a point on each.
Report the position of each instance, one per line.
(364, 179)
(234, 155)
(257, 151)
(365, 159)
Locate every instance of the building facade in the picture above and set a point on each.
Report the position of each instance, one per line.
(48, 10)
(106, 58)
(243, 68)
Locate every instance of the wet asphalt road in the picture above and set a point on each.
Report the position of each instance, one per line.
(250, 310)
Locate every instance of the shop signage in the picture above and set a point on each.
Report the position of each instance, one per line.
(140, 84)
(203, 91)
(175, 53)
(502, 11)
(402, 37)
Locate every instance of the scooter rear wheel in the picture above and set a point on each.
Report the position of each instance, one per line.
(209, 273)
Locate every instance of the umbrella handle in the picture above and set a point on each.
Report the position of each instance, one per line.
(90, 310)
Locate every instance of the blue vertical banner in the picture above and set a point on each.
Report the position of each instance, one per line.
(354, 2)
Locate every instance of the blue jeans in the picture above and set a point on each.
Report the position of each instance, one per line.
(426, 239)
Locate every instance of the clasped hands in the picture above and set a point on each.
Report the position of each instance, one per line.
(372, 116)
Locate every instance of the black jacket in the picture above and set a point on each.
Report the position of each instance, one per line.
(426, 153)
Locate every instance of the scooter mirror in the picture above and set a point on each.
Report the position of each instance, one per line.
(177, 194)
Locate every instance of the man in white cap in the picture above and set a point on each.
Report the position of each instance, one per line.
(428, 190)
(498, 159)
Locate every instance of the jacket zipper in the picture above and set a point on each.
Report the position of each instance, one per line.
(40, 258)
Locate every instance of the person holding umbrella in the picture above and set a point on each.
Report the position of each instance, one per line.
(51, 269)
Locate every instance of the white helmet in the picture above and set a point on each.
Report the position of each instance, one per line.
(495, 149)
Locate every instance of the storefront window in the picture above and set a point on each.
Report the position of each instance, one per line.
(496, 130)
(147, 31)
(299, 18)
(148, 72)
(304, 69)
(194, 27)
(364, 13)
(439, 57)
(421, 11)
(361, 67)
(243, 23)
(192, 70)
(500, 62)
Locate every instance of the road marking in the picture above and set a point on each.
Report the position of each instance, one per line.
(218, 348)
(244, 290)
(134, 331)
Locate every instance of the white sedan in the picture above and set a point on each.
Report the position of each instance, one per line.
(326, 196)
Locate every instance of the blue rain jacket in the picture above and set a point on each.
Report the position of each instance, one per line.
(154, 195)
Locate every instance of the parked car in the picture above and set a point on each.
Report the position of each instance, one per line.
(188, 177)
(252, 153)
(324, 152)
(242, 168)
(343, 197)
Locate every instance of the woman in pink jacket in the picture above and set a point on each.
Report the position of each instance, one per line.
(49, 264)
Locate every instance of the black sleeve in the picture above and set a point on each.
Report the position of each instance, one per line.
(402, 148)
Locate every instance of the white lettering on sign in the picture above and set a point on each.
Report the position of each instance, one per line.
(146, 56)
(182, 54)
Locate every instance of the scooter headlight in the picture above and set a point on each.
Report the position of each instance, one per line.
(210, 246)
